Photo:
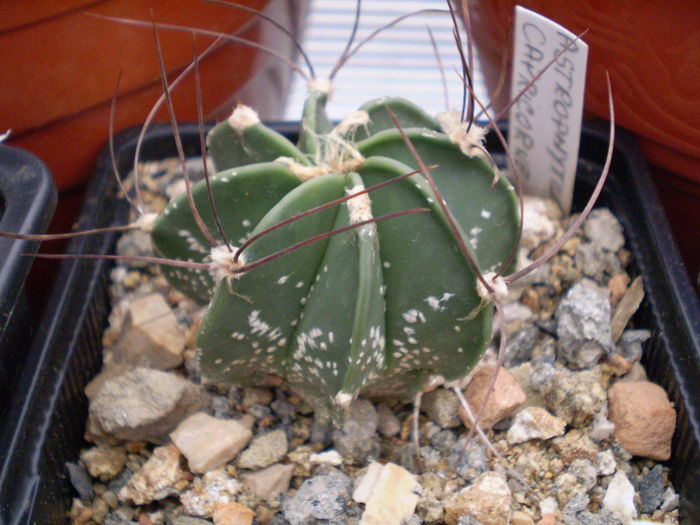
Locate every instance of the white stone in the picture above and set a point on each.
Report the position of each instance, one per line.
(549, 506)
(208, 442)
(534, 423)
(393, 497)
(619, 498)
(363, 487)
(208, 492)
(327, 457)
(606, 463)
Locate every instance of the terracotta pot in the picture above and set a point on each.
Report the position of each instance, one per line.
(61, 67)
(651, 50)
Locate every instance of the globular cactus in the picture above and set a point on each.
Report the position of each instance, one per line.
(378, 308)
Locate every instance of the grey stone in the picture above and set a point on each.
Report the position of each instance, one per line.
(413, 519)
(145, 404)
(356, 439)
(442, 407)
(602, 227)
(135, 243)
(585, 472)
(322, 497)
(583, 324)
(80, 479)
(520, 346)
(630, 343)
(589, 259)
(443, 440)
(388, 423)
(575, 397)
(651, 490)
(264, 450)
(283, 410)
(469, 463)
(123, 515)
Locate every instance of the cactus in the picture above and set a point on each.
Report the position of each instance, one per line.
(378, 308)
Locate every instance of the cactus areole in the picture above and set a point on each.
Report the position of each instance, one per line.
(379, 308)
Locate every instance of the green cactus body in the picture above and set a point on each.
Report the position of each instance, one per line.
(378, 308)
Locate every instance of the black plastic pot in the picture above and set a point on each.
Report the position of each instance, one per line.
(27, 202)
(49, 418)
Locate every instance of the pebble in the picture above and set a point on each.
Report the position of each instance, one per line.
(208, 442)
(392, 497)
(651, 490)
(520, 346)
(469, 463)
(80, 480)
(161, 476)
(152, 336)
(606, 463)
(269, 482)
(264, 450)
(626, 308)
(644, 418)
(603, 227)
(206, 493)
(144, 404)
(619, 498)
(487, 500)
(233, 514)
(630, 344)
(388, 423)
(534, 423)
(575, 445)
(356, 439)
(442, 407)
(538, 227)
(104, 463)
(504, 400)
(328, 457)
(575, 397)
(583, 324)
(322, 497)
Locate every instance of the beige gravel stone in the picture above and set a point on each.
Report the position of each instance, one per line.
(488, 500)
(208, 442)
(534, 423)
(644, 418)
(506, 398)
(156, 479)
(152, 336)
(104, 463)
(393, 497)
(269, 482)
(233, 514)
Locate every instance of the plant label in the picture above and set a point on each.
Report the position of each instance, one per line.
(545, 122)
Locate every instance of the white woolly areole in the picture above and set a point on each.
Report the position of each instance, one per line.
(471, 142)
(360, 207)
(323, 85)
(343, 399)
(498, 284)
(243, 117)
(146, 222)
(353, 121)
(223, 266)
(301, 171)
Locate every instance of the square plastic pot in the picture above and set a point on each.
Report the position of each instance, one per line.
(27, 202)
(49, 417)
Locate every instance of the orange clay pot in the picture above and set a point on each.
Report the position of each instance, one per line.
(60, 69)
(652, 51)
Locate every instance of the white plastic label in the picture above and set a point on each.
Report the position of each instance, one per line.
(545, 122)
